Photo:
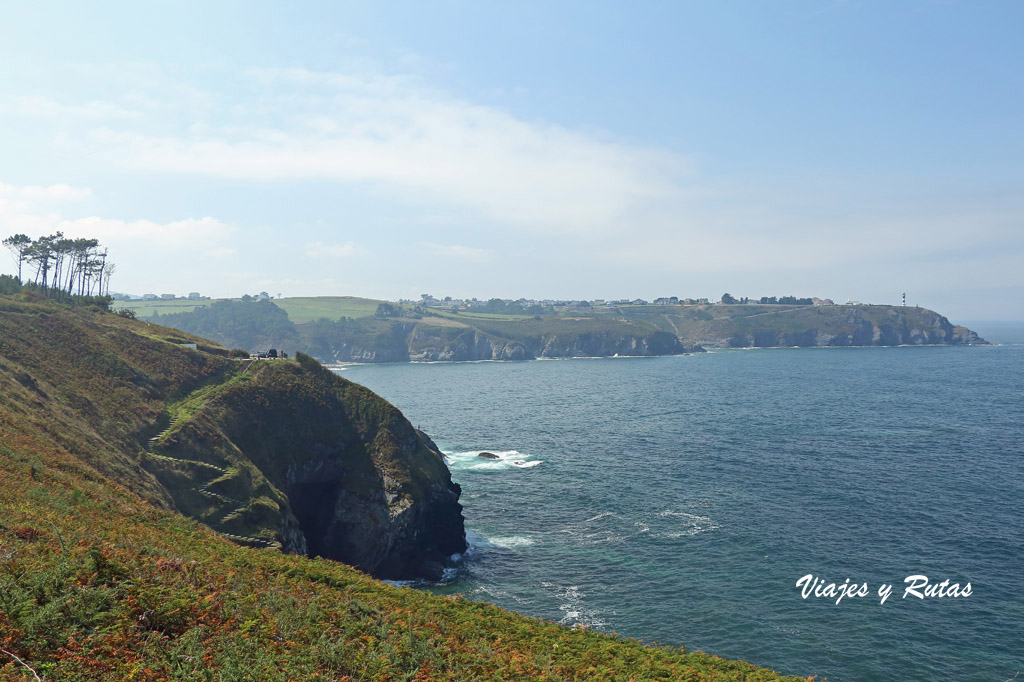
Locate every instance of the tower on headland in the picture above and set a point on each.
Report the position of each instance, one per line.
(904, 299)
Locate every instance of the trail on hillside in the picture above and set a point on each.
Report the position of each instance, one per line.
(237, 507)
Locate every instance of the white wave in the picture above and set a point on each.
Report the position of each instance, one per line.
(475, 541)
(511, 541)
(610, 527)
(574, 611)
(471, 460)
(590, 531)
(687, 524)
(478, 541)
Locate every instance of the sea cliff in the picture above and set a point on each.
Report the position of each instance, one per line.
(762, 326)
(324, 467)
(268, 453)
(628, 330)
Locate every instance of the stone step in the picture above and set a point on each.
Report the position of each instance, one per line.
(257, 541)
(232, 514)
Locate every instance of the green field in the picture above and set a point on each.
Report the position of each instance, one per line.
(306, 309)
(479, 316)
(299, 309)
(148, 308)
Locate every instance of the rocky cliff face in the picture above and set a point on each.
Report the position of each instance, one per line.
(829, 326)
(432, 344)
(424, 343)
(335, 472)
(597, 344)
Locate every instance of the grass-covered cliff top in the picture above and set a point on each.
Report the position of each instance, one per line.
(97, 583)
(361, 330)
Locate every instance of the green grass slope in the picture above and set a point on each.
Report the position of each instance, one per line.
(305, 309)
(101, 580)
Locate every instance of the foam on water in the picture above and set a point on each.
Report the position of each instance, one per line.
(638, 526)
(470, 460)
(478, 541)
(512, 541)
(686, 524)
(574, 611)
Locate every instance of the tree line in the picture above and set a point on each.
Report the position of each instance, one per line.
(61, 267)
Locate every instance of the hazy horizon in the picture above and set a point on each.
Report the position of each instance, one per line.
(845, 150)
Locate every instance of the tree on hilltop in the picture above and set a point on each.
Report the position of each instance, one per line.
(63, 267)
(387, 310)
(18, 244)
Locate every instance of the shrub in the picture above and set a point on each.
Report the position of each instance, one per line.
(310, 364)
(9, 285)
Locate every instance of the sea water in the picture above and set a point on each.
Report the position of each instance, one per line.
(679, 500)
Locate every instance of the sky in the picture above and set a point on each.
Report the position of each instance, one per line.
(550, 150)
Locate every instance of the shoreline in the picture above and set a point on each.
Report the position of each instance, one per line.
(340, 366)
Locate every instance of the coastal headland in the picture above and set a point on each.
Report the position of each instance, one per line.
(343, 329)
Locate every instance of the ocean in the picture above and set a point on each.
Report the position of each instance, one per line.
(680, 499)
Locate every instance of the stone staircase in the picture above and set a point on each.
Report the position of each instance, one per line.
(204, 489)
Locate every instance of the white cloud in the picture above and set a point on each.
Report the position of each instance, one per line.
(30, 210)
(190, 234)
(766, 238)
(459, 252)
(221, 253)
(23, 197)
(320, 250)
(397, 135)
(481, 175)
(44, 107)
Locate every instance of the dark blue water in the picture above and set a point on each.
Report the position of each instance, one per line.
(679, 499)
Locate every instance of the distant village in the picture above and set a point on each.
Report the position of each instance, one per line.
(528, 305)
(192, 296)
(496, 305)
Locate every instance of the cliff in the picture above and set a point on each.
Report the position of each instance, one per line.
(765, 326)
(628, 330)
(268, 453)
(443, 339)
(321, 465)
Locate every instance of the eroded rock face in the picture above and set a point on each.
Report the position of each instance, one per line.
(424, 343)
(376, 524)
(467, 346)
(842, 326)
(331, 470)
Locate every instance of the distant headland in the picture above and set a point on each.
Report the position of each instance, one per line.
(348, 329)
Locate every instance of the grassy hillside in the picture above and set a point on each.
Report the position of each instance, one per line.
(101, 580)
(161, 307)
(300, 308)
(305, 309)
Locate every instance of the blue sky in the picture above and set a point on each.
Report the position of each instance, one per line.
(851, 150)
